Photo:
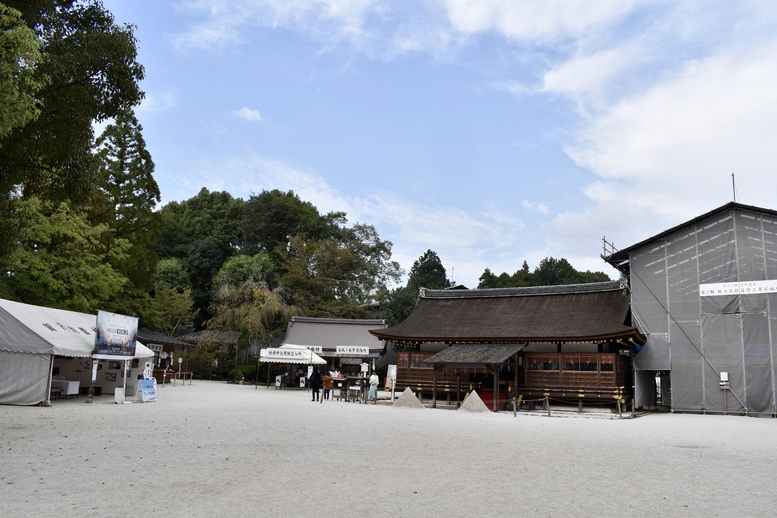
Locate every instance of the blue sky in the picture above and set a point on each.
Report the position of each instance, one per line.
(490, 131)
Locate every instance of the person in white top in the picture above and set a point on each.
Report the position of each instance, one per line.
(374, 381)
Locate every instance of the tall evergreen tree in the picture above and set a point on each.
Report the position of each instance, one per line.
(127, 196)
(428, 272)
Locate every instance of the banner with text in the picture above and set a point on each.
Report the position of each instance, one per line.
(115, 335)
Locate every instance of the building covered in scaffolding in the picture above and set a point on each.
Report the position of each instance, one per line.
(704, 293)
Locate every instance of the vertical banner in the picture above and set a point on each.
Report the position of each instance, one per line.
(115, 335)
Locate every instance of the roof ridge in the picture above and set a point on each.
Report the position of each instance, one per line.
(556, 289)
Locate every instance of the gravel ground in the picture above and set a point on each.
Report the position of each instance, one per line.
(215, 449)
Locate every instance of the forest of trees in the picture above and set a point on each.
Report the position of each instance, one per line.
(80, 226)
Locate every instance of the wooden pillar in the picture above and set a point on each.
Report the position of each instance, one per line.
(495, 370)
(434, 386)
(515, 372)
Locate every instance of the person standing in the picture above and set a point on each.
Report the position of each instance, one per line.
(327, 382)
(315, 383)
(374, 381)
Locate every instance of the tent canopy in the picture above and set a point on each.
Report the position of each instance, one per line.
(291, 354)
(25, 328)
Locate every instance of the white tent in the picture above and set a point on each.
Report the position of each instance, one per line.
(30, 338)
(291, 354)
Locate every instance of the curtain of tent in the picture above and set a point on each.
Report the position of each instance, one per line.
(23, 378)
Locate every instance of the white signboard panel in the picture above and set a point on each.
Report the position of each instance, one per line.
(737, 288)
(352, 350)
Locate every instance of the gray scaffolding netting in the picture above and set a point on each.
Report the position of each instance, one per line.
(702, 296)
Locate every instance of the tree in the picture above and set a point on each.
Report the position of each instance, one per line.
(240, 268)
(172, 299)
(488, 280)
(172, 273)
(251, 307)
(215, 216)
(522, 277)
(589, 276)
(172, 309)
(202, 232)
(87, 72)
(549, 272)
(127, 196)
(272, 217)
(397, 305)
(554, 271)
(428, 272)
(337, 277)
(203, 260)
(60, 259)
(19, 55)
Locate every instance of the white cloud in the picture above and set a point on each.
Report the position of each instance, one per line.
(666, 155)
(527, 20)
(540, 207)
(156, 102)
(249, 114)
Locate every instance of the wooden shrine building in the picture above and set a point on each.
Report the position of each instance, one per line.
(569, 342)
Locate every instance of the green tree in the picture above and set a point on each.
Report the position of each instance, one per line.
(87, 72)
(522, 277)
(488, 280)
(251, 307)
(397, 304)
(589, 276)
(60, 259)
(554, 271)
(202, 232)
(215, 216)
(172, 309)
(240, 268)
(172, 303)
(272, 217)
(338, 277)
(428, 272)
(170, 271)
(127, 196)
(19, 56)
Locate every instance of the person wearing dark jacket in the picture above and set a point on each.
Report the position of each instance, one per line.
(315, 383)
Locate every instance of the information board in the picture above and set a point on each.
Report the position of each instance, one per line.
(148, 390)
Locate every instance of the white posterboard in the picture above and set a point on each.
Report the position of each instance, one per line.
(148, 390)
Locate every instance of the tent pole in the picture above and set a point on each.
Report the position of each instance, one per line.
(48, 384)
